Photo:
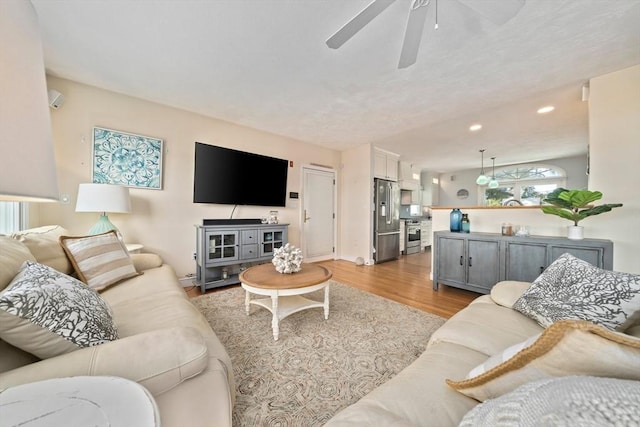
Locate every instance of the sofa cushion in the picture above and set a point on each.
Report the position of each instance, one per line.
(43, 243)
(145, 261)
(417, 395)
(571, 288)
(586, 401)
(12, 255)
(47, 313)
(507, 292)
(567, 347)
(100, 260)
(486, 327)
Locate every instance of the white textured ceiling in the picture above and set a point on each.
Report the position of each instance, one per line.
(264, 64)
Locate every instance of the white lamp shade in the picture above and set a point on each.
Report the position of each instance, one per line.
(27, 162)
(103, 198)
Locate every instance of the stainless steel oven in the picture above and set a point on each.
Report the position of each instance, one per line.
(412, 236)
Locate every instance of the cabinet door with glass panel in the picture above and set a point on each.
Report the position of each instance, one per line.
(270, 239)
(221, 246)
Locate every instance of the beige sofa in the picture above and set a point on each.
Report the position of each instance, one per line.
(164, 342)
(420, 396)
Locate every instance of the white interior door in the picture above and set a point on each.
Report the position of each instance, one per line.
(318, 213)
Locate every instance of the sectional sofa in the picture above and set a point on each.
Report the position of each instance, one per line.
(153, 335)
(572, 336)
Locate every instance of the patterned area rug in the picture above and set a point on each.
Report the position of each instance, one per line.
(317, 367)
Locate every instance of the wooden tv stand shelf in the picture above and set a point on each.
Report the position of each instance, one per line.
(228, 247)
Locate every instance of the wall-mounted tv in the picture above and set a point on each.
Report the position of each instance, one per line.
(232, 177)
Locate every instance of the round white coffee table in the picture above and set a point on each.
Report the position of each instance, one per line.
(285, 290)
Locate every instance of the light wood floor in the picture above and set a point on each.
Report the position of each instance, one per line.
(405, 280)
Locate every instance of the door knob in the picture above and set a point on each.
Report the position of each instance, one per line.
(306, 218)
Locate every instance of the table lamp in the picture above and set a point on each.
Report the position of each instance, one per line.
(103, 198)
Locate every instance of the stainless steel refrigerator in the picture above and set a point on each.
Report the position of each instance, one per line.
(386, 227)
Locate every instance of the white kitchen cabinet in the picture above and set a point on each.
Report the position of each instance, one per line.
(385, 164)
(410, 197)
(425, 234)
(430, 188)
(402, 235)
(409, 177)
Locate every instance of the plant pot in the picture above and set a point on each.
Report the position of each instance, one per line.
(575, 232)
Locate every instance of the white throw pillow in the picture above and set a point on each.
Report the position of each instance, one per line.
(568, 347)
(47, 313)
(571, 288)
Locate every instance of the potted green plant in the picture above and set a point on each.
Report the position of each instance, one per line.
(574, 205)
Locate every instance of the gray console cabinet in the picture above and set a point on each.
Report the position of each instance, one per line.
(477, 261)
(223, 251)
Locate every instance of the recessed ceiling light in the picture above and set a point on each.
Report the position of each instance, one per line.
(547, 109)
(475, 127)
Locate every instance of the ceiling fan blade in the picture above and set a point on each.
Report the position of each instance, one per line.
(412, 36)
(367, 14)
(496, 11)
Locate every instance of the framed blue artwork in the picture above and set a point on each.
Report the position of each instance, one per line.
(126, 159)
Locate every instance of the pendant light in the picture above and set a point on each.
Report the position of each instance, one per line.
(493, 183)
(482, 179)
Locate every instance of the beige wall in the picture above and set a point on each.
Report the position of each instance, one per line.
(356, 204)
(162, 220)
(614, 134)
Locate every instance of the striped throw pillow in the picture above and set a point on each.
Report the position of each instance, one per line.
(100, 261)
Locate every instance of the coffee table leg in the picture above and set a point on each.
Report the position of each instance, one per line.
(274, 321)
(246, 302)
(326, 302)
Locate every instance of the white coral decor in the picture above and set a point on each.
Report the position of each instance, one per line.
(287, 259)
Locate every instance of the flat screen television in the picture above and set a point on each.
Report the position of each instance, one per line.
(232, 177)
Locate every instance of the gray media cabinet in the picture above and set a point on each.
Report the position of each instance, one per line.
(477, 261)
(227, 247)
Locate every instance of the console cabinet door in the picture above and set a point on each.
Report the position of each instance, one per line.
(451, 261)
(221, 246)
(271, 239)
(483, 264)
(594, 256)
(525, 261)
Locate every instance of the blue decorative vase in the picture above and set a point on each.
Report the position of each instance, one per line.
(456, 220)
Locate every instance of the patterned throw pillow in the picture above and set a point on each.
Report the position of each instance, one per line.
(571, 288)
(568, 347)
(586, 401)
(47, 313)
(100, 260)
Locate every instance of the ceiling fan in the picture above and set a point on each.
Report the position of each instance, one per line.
(497, 11)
